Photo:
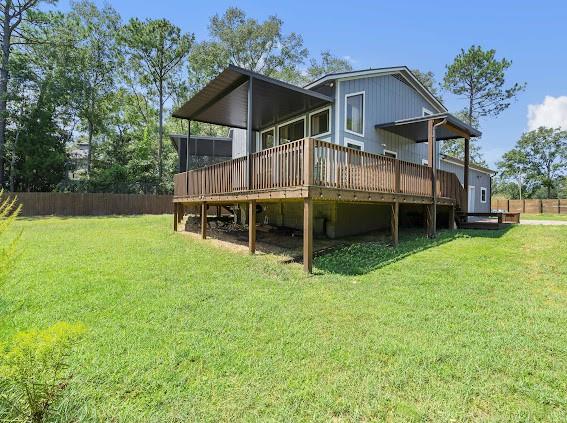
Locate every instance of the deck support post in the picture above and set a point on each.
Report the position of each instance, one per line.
(452, 217)
(432, 157)
(394, 221)
(466, 179)
(203, 220)
(308, 235)
(252, 226)
(175, 222)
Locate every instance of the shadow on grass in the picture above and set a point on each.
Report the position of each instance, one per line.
(93, 217)
(362, 258)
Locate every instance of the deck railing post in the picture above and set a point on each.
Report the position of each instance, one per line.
(398, 176)
(309, 147)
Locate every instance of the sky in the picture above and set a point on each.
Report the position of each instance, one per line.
(423, 35)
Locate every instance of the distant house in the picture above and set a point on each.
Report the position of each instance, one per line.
(348, 153)
(78, 154)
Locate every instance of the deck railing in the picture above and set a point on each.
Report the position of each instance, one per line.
(332, 166)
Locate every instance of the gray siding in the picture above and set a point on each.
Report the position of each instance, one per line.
(477, 179)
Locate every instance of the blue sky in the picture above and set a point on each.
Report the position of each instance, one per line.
(424, 35)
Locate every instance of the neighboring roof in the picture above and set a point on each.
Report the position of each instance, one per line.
(403, 70)
(204, 145)
(224, 100)
(416, 128)
(474, 166)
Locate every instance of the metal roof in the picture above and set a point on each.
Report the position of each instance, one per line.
(202, 145)
(224, 100)
(402, 70)
(416, 128)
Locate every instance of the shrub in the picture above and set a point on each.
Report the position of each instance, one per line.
(8, 214)
(33, 371)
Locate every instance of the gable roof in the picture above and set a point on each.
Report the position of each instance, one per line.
(459, 162)
(404, 71)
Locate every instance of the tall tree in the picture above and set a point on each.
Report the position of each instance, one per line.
(328, 64)
(428, 80)
(258, 46)
(96, 60)
(540, 156)
(14, 13)
(479, 78)
(155, 51)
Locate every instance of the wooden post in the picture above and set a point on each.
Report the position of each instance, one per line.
(203, 220)
(175, 217)
(252, 226)
(466, 178)
(308, 161)
(433, 164)
(249, 132)
(219, 212)
(308, 235)
(394, 221)
(452, 217)
(398, 176)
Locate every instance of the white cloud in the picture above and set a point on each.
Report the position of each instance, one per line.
(552, 113)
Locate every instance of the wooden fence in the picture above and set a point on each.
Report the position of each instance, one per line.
(91, 204)
(533, 206)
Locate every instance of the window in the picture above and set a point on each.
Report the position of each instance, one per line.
(425, 162)
(319, 122)
(354, 111)
(292, 131)
(267, 139)
(482, 195)
(389, 153)
(357, 145)
(426, 112)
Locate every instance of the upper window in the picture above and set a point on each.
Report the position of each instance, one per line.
(292, 131)
(267, 139)
(355, 113)
(483, 195)
(319, 122)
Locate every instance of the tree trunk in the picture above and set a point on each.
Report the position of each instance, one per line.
(6, 35)
(160, 148)
(13, 162)
(89, 153)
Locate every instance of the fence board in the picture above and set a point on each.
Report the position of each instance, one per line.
(91, 204)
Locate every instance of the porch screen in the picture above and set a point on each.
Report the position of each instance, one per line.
(292, 131)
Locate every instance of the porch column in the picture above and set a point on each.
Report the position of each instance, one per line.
(203, 220)
(466, 178)
(252, 226)
(394, 222)
(249, 132)
(187, 146)
(308, 235)
(432, 158)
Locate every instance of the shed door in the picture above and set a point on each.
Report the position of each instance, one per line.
(471, 198)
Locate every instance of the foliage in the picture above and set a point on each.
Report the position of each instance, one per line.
(182, 330)
(428, 80)
(9, 211)
(539, 159)
(33, 372)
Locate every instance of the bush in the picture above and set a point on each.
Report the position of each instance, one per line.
(33, 372)
(8, 214)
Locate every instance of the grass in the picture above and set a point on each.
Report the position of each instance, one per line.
(544, 216)
(469, 327)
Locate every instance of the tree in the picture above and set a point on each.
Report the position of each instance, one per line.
(427, 79)
(540, 156)
(96, 62)
(155, 50)
(258, 46)
(514, 167)
(328, 64)
(14, 13)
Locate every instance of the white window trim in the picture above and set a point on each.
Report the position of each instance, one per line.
(395, 153)
(425, 162)
(273, 128)
(426, 112)
(303, 118)
(354, 142)
(483, 189)
(324, 134)
(363, 113)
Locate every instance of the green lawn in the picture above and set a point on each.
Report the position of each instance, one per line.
(544, 216)
(470, 327)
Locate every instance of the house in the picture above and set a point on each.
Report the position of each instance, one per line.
(348, 153)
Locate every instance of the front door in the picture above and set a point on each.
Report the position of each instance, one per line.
(471, 199)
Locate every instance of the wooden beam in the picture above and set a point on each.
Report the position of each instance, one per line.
(466, 178)
(456, 130)
(394, 221)
(308, 235)
(252, 226)
(433, 164)
(203, 220)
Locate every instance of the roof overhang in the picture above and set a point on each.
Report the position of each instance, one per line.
(224, 100)
(404, 71)
(416, 128)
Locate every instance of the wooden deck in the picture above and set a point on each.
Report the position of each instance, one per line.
(310, 168)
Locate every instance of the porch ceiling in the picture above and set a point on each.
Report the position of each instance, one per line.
(224, 101)
(416, 128)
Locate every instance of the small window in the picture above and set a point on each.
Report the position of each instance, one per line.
(320, 123)
(354, 121)
(425, 162)
(426, 112)
(355, 146)
(483, 195)
(267, 139)
(392, 154)
(292, 131)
